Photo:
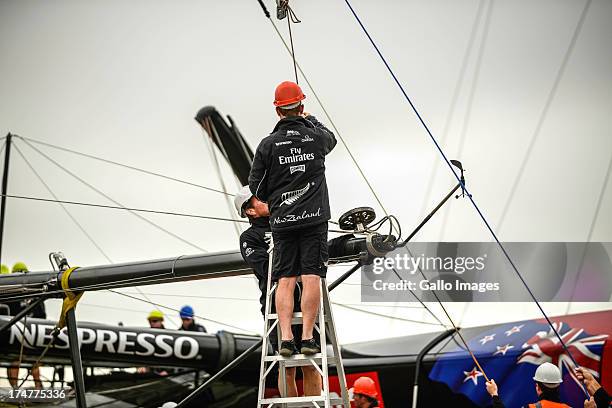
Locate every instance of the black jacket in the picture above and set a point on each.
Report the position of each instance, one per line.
(602, 399)
(254, 250)
(194, 327)
(288, 173)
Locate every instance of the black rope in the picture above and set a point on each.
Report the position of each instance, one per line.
(112, 207)
(292, 18)
(127, 166)
(470, 196)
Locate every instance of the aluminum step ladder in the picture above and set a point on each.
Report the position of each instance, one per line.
(321, 361)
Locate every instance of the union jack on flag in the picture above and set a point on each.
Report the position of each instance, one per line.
(510, 354)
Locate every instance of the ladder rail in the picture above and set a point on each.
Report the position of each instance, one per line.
(324, 325)
(335, 346)
(263, 373)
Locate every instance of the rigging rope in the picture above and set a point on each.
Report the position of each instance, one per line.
(131, 209)
(292, 18)
(545, 109)
(591, 229)
(74, 220)
(177, 310)
(451, 111)
(470, 102)
(151, 173)
(82, 181)
(470, 197)
(50, 191)
(384, 315)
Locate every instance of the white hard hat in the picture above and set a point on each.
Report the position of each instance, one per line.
(169, 405)
(242, 197)
(548, 374)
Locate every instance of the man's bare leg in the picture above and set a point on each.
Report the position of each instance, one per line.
(284, 305)
(291, 385)
(13, 374)
(36, 376)
(311, 297)
(312, 381)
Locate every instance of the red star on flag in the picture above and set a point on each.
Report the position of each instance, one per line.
(503, 349)
(515, 329)
(472, 375)
(486, 339)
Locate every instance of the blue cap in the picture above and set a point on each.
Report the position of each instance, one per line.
(186, 312)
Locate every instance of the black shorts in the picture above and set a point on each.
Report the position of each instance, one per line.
(305, 247)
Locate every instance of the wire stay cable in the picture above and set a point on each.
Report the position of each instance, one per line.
(91, 187)
(62, 205)
(453, 104)
(127, 166)
(69, 214)
(546, 108)
(211, 150)
(469, 196)
(112, 207)
(602, 194)
(177, 310)
(384, 315)
(470, 103)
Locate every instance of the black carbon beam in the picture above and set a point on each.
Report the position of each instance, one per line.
(5, 178)
(182, 268)
(75, 356)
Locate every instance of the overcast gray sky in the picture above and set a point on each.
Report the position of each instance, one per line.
(123, 80)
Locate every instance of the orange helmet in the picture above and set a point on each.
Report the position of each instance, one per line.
(365, 386)
(288, 95)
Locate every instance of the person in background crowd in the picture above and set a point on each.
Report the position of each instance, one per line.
(364, 393)
(189, 323)
(156, 320)
(37, 312)
(547, 384)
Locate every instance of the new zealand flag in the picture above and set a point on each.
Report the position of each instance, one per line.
(510, 354)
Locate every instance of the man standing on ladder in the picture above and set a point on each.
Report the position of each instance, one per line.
(288, 173)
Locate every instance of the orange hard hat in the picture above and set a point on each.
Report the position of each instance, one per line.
(288, 93)
(365, 386)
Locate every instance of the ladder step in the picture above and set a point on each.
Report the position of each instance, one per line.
(299, 401)
(300, 360)
(297, 318)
